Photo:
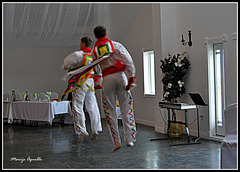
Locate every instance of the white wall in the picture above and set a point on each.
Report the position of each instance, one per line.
(131, 24)
(140, 26)
(34, 69)
(207, 20)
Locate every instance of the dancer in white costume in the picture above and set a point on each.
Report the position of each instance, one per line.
(115, 83)
(83, 92)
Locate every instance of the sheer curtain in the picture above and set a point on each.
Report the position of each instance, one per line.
(47, 24)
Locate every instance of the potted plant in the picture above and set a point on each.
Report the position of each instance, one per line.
(174, 69)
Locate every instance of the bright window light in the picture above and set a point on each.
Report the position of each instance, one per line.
(149, 74)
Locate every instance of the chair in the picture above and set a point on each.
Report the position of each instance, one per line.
(229, 143)
(6, 96)
(54, 95)
(42, 97)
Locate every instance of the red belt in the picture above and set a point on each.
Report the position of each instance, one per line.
(119, 66)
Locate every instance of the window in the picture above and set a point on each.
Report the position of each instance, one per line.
(149, 74)
(216, 84)
(218, 79)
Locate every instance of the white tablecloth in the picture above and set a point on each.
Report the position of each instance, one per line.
(34, 110)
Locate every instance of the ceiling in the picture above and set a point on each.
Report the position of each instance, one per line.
(47, 24)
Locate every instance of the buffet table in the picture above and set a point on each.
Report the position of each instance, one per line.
(35, 110)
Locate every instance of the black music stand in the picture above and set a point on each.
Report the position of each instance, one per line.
(198, 101)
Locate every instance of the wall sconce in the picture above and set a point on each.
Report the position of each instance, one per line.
(189, 38)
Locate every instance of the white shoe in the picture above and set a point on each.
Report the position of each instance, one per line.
(130, 144)
(82, 136)
(94, 136)
(116, 147)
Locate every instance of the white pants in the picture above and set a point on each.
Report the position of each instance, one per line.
(115, 85)
(81, 96)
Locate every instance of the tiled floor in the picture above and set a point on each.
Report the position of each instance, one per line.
(55, 147)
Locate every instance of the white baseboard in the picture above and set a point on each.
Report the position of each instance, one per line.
(145, 122)
(141, 121)
(162, 130)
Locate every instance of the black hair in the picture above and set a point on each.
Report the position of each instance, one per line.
(87, 41)
(99, 32)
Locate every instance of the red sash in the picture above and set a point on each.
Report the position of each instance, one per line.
(117, 67)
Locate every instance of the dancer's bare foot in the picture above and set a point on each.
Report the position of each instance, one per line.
(94, 136)
(82, 136)
(116, 147)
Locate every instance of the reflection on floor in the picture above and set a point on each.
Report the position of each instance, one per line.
(55, 147)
